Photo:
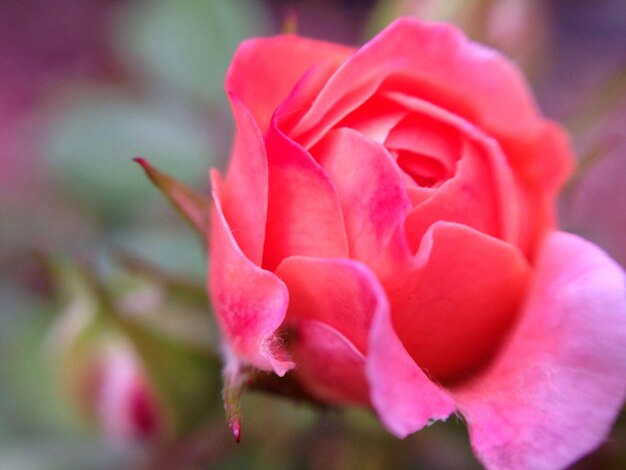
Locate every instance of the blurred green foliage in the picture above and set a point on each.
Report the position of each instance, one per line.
(189, 43)
(163, 99)
(96, 133)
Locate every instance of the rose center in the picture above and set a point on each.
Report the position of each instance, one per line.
(425, 149)
(424, 170)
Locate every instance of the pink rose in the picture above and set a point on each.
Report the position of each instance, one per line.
(392, 210)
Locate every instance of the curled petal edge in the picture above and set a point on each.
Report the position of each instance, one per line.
(403, 396)
(329, 365)
(250, 302)
(558, 384)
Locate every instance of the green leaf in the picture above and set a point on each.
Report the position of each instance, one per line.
(96, 133)
(188, 43)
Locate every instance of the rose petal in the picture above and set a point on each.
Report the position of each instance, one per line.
(250, 303)
(493, 205)
(404, 398)
(542, 157)
(452, 313)
(375, 118)
(244, 195)
(544, 164)
(372, 194)
(277, 63)
(422, 135)
(435, 62)
(341, 293)
(329, 365)
(469, 198)
(304, 215)
(303, 94)
(332, 303)
(559, 383)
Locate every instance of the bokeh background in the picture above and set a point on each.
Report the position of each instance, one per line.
(85, 85)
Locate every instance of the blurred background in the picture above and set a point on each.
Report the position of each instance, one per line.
(85, 85)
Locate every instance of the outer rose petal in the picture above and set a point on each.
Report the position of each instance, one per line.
(404, 398)
(332, 303)
(342, 293)
(437, 63)
(277, 64)
(304, 215)
(549, 158)
(244, 195)
(329, 365)
(558, 385)
(250, 303)
(452, 313)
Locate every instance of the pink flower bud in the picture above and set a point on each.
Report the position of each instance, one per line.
(119, 397)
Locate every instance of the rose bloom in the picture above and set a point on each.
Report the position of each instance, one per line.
(386, 231)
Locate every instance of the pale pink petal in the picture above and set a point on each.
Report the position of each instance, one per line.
(328, 364)
(452, 313)
(277, 64)
(372, 192)
(250, 303)
(560, 381)
(304, 215)
(244, 195)
(404, 398)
